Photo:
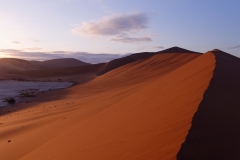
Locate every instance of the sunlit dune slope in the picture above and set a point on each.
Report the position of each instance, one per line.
(137, 56)
(215, 128)
(142, 110)
(143, 71)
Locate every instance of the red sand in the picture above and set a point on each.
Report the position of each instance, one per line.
(214, 133)
(142, 110)
(138, 56)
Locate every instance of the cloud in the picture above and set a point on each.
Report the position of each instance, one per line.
(149, 47)
(158, 47)
(131, 40)
(16, 42)
(114, 25)
(32, 49)
(9, 50)
(141, 48)
(118, 27)
(83, 56)
(234, 47)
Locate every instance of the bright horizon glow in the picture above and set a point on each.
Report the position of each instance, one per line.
(119, 27)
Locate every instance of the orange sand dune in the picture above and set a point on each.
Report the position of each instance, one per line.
(138, 56)
(214, 133)
(142, 110)
(143, 71)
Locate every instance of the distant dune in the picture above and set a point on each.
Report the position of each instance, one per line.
(63, 63)
(13, 64)
(91, 68)
(173, 104)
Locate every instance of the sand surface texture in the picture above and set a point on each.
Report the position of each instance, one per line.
(142, 110)
(215, 128)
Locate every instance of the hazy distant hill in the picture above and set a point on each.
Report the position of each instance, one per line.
(86, 69)
(61, 63)
(14, 64)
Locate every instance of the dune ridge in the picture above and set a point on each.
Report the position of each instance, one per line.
(138, 56)
(140, 110)
(144, 71)
(138, 128)
(214, 133)
(118, 120)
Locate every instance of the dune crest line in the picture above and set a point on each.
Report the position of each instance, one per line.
(214, 133)
(139, 110)
(152, 122)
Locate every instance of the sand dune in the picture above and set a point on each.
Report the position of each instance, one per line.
(138, 126)
(13, 64)
(142, 110)
(80, 72)
(137, 56)
(145, 70)
(214, 133)
(90, 69)
(62, 63)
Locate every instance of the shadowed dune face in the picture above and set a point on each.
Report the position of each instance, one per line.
(214, 133)
(115, 117)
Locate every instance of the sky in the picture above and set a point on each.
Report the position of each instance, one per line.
(85, 29)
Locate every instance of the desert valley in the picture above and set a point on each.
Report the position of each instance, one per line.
(171, 104)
